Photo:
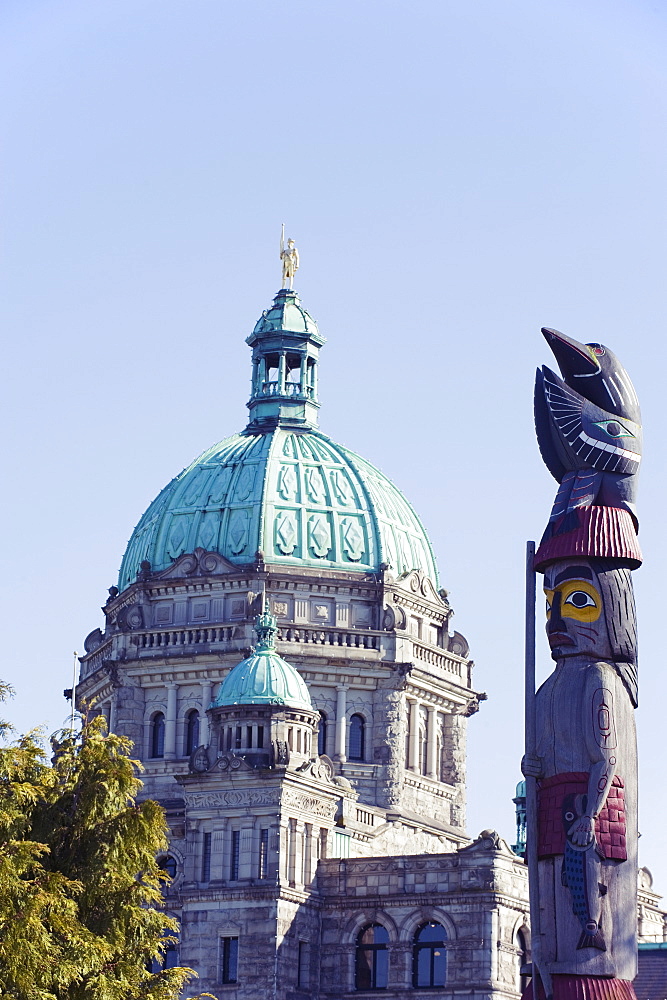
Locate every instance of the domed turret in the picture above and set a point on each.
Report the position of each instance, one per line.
(264, 678)
(263, 712)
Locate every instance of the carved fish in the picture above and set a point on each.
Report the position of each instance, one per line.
(579, 875)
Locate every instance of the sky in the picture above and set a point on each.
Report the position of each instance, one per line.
(455, 174)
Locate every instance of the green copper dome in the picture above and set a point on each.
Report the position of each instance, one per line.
(282, 487)
(264, 678)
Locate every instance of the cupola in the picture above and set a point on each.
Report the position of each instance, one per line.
(285, 352)
(263, 711)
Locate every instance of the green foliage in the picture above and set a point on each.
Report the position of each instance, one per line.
(80, 889)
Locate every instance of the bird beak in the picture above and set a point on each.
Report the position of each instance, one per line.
(574, 359)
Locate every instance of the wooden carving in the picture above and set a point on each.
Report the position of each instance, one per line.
(583, 766)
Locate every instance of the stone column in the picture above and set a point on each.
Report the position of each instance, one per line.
(413, 745)
(170, 722)
(302, 376)
(281, 375)
(432, 762)
(204, 730)
(341, 705)
(112, 713)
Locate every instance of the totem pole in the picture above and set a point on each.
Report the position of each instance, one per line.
(582, 767)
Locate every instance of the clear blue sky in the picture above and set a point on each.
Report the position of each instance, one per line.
(456, 175)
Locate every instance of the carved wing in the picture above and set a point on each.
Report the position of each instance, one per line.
(576, 421)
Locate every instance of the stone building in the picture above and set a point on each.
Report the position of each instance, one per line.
(279, 652)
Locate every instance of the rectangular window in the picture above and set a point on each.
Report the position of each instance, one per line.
(263, 853)
(249, 736)
(237, 739)
(234, 860)
(229, 738)
(302, 967)
(229, 959)
(206, 858)
(260, 737)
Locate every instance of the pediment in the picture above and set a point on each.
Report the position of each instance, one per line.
(417, 584)
(197, 563)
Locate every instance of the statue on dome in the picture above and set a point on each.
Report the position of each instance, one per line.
(290, 259)
(581, 759)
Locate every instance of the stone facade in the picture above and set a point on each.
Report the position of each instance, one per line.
(284, 860)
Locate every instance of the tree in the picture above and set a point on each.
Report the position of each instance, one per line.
(80, 888)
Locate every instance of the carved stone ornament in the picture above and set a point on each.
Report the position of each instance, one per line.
(293, 799)
(199, 760)
(320, 768)
(93, 641)
(233, 797)
(286, 532)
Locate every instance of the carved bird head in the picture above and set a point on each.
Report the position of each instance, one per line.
(589, 419)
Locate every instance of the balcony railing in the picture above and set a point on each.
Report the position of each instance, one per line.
(289, 389)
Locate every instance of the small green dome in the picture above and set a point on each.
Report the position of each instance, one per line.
(295, 495)
(264, 678)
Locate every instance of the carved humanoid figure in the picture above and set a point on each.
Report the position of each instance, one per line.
(585, 760)
(587, 802)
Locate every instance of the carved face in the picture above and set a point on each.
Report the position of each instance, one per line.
(576, 623)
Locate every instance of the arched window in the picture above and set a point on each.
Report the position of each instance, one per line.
(191, 732)
(429, 958)
(169, 865)
(523, 959)
(157, 735)
(356, 748)
(322, 734)
(169, 958)
(372, 958)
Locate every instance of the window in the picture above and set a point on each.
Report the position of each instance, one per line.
(157, 735)
(372, 958)
(423, 749)
(229, 959)
(260, 737)
(322, 734)
(263, 853)
(191, 732)
(523, 959)
(234, 860)
(302, 966)
(169, 957)
(206, 858)
(168, 864)
(429, 958)
(357, 740)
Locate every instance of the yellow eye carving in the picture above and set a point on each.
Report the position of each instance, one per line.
(580, 599)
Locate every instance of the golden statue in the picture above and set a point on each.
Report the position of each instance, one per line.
(290, 257)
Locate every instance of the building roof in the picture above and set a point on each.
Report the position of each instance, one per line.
(651, 980)
(264, 678)
(282, 487)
